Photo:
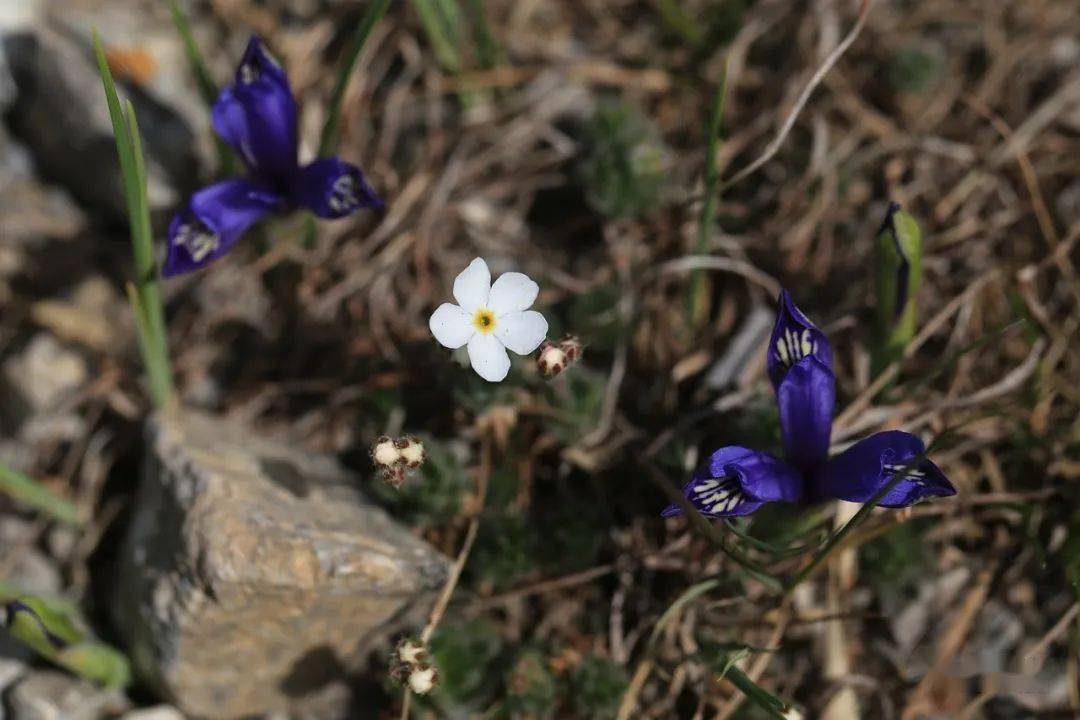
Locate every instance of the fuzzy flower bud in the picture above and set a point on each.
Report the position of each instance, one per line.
(552, 360)
(413, 453)
(411, 652)
(394, 475)
(556, 357)
(385, 452)
(423, 680)
(572, 347)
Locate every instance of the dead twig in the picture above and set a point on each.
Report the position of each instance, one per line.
(482, 477)
(800, 103)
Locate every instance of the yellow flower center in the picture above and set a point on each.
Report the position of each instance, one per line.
(484, 320)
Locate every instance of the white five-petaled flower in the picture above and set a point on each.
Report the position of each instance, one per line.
(490, 318)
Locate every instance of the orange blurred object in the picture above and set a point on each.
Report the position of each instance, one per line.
(135, 64)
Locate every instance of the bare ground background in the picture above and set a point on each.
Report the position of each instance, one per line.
(967, 113)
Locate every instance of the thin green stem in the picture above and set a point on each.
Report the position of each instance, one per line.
(439, 35)
(774, 706)
(150, 312)
(857, 519)
(678, 20)
(31, 493)
(704, 527)
(708, 208)
(487, 46)
(208, 89)
(333, 117)
(690, 594)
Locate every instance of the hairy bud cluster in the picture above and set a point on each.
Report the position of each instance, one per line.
(395, 457)
(556, 357)
(410, 668)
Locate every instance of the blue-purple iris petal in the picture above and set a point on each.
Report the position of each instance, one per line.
(737, 481)
(333, 188)
(806, 398)
(256, 116)
(793, 338)
(858, 473)
(213, 221)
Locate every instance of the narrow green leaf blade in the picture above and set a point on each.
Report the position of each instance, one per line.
(146, 277)
(133, 170)
(49, 629)
(207, 87)
(695, 294)
(333, 117)
(33, 494)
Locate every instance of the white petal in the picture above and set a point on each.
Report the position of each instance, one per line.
(522, 332)
(512, 292)
(488, 357)
(472, 286)
(451, 326)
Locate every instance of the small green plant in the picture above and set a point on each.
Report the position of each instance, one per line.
(914, 70)
(435, 493)
(506, 550)
(896, 558)
(464, 656)
(49, 628)
(598, 686)
(531, 689)
(623, 167)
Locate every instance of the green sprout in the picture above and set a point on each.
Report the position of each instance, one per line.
(898, 272)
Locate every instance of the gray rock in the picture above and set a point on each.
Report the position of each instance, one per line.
(31, 570)
(31, 213)
(254, 574)
(16, 15)
(159, 712)
(93, 315)
(10, 671)
(59, 113)
(34, 384)
(50, 695)
(46, 372)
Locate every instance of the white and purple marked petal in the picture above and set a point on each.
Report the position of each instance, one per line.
(793, 338)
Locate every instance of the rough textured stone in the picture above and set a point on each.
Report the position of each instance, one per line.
(254, 574)
(60, 115)
(51, 695)
(46, 372)
(159, 712)
(11, 670)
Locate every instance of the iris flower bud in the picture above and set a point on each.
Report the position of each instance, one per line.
(898, 264)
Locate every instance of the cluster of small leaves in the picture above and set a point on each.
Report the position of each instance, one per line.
(466, 657)
(914, 70)
(623, 167)
(896, 559)
(599, 685)
(438, 490)
(394, 458)
(532, 690)
(52, 629)
(479, 673)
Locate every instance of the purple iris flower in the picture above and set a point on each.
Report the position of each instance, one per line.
(737, 481)
(256, 116)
